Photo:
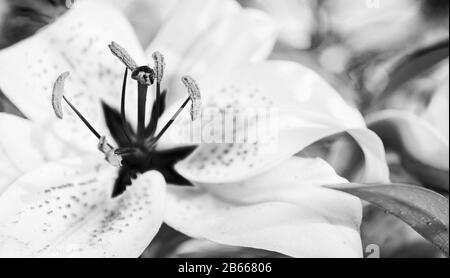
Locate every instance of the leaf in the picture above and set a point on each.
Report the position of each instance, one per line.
(426, 211)
(414, 65)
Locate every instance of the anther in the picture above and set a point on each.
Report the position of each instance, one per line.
(143, 74)
(58, 96)
(110, 153)
(160, 64)
(196, 105)
(123, 56)
(58, 93)
(194, 95)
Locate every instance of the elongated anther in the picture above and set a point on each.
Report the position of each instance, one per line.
(160, 64)
(110, 153)
(194, 95)
(123, 56)
(58, 93)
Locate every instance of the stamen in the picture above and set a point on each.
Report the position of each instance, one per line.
(158, 58)
(158, 108)
(58, 92)
(110, 153)
(123, 56)
(194, 95)
(144, 74)
(170, 122)
(58, 96)
(156, 111)
(194, 98)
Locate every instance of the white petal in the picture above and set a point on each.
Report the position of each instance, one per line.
(77, 42)
(296, 20)
(298, 108)
(284, 210)
(147, 16)
(418, 138)
(188, 21)
(64, 209)
(25, 145)
(437, 113)
(247, 36)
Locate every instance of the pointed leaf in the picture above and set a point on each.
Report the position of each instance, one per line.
(414, 65)
(425, 211)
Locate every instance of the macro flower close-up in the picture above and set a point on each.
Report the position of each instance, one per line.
(215, 128)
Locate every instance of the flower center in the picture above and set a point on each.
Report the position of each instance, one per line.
(136, 152)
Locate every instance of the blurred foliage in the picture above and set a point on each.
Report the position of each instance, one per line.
(20, 19)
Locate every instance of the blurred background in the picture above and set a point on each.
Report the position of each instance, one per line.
(379, 54)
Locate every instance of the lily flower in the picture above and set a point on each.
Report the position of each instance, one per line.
(57, 198)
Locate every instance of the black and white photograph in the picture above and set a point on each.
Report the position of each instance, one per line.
(240, 132)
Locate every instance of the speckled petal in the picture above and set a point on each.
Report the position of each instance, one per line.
(65, 209)
(285, 210)
(25, 145)
(297, 108)
(77, 42)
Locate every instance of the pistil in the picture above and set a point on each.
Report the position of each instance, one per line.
(127, 131)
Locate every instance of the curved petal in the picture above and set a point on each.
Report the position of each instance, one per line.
(220, 37)
(437, 113)
(187, 22)
(25, 145)
(285, 210)
(247, 36)
(77, 42)
(279, 108)
(415, 136)
(64, 209)
(146, 16)
(296, 19)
